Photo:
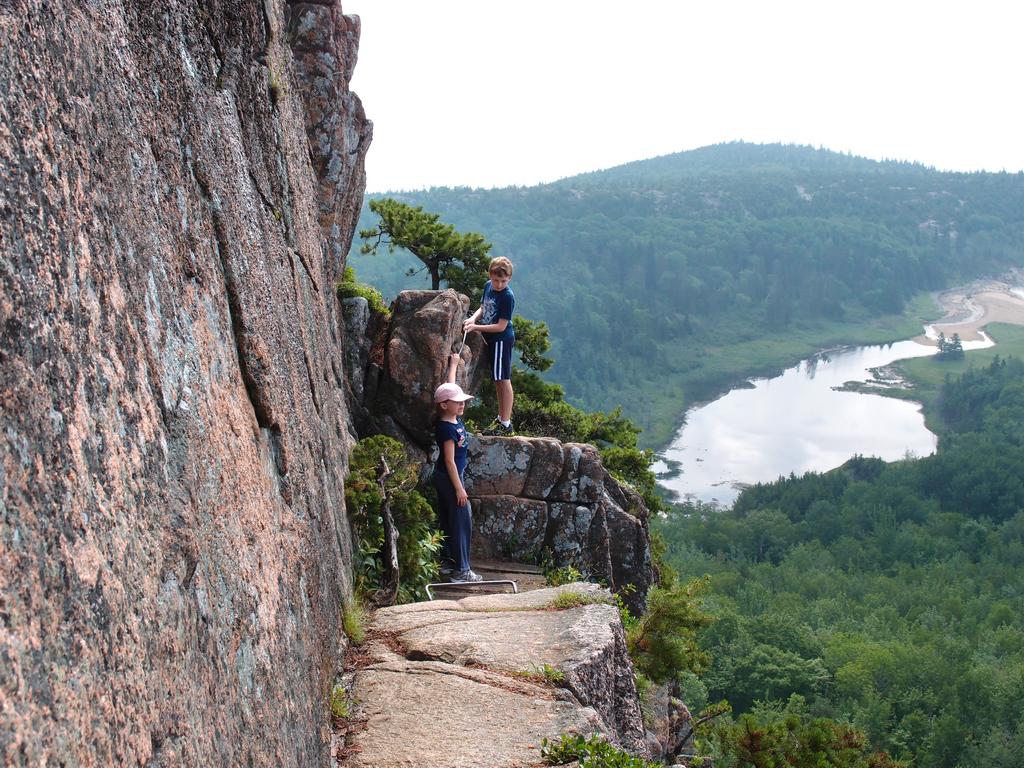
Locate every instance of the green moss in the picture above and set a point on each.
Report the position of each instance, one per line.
(348, 287)
(566, 600)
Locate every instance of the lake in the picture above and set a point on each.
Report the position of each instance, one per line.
(795, 423)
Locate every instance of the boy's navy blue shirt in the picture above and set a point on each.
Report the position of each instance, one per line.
(498, 305)
(457, 433)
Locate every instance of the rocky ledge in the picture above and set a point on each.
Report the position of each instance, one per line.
(537, 497)
(479, 682)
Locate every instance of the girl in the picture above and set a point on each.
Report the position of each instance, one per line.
(456, 519)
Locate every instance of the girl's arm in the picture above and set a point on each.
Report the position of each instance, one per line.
(448, 449)
(453, 367)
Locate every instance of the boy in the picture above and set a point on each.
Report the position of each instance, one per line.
(495, 316)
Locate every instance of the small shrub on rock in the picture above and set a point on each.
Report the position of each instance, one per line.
(545, 673)
(557, 577)
(553, 675)
(663, 642)
(348, 287)
(563, 601)
(418, 542)
(353, 622)
(341, 704)
(592, 752)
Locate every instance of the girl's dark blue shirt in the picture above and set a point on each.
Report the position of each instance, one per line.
(458, 434)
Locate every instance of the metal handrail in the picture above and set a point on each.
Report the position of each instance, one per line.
(471, 584)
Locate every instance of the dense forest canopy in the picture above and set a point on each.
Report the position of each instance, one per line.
(641, 269)
(889, 596)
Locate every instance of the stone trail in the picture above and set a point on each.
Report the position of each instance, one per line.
(479, 682)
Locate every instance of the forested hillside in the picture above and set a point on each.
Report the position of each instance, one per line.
(890, 596)
(663, 280)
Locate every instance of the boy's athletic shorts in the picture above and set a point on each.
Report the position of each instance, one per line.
(499, 355)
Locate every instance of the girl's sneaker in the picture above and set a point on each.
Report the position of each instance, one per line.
(464, 577)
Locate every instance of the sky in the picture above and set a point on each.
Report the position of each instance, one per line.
(491, 93)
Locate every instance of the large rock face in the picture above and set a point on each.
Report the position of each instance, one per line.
(325, 44)
(174, 551)
(395, 388)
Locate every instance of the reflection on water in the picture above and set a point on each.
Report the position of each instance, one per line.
(795, 423)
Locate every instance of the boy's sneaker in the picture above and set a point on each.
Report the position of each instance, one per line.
(497, 429)
(464, 577)
(445, 570)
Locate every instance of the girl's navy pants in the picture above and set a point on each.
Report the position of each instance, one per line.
(456, 523)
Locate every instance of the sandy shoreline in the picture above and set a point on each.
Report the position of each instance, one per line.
(971, 307)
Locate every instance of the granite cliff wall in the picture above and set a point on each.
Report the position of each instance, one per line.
(178, 183)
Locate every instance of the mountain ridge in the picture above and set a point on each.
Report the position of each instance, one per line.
(668, 270)
(704, 157)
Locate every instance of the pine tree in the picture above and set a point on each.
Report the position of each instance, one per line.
(459, 259)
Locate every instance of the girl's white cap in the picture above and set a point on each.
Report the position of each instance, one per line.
(450, 392)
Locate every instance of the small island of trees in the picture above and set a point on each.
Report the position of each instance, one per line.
(950, 349)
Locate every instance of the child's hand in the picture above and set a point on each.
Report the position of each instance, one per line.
(454, 359)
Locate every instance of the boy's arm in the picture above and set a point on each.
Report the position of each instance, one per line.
(470, 322)
(497, 327)
(505, 305)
